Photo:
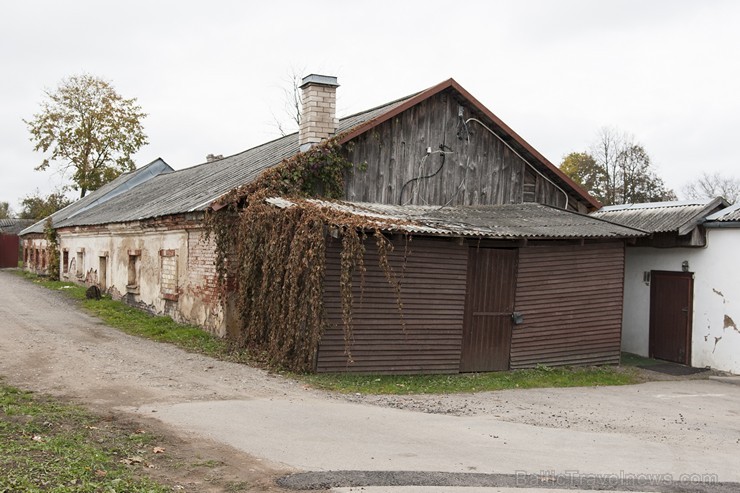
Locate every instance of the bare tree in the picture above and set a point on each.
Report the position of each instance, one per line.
(605, 151)
(709, 186)
(291, 119)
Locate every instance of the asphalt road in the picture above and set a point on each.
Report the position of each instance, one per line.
(660, 433)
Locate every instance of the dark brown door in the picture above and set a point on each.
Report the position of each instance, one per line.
(489, 304)
(8, 251)
(671, 307)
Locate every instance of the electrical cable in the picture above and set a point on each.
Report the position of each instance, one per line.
(442, 151)
(520, 157)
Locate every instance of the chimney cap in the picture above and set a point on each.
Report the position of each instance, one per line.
(324, 80)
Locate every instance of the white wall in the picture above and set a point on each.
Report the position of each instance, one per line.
(193, 281)
(716, 268)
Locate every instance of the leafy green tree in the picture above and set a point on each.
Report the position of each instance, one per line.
(89, 129)
(5, 212)
(582, 168)
(35, 206)
(617, 170)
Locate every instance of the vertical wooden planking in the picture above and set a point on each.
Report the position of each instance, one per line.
(488, 308)
(671, 311)
(482, 171)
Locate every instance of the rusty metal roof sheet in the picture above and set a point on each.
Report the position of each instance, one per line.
(511, 221)
(662, 217)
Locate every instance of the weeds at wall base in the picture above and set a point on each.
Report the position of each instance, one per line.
(136, 322)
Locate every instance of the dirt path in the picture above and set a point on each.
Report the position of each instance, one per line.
(48, 345)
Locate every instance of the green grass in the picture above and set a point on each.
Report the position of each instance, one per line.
(473, 382)
(140, 323)
(630, 359)
(52, 447)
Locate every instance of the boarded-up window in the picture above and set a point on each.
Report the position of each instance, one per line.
(168, 274)
(134, 265)
(80, 263)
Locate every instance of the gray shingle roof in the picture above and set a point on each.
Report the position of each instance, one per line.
(195, 188)
(661, 217)
(510, 221)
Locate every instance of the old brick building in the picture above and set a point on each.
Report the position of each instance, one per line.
(482, 203)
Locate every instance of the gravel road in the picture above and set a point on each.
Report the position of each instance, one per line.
(48, 345)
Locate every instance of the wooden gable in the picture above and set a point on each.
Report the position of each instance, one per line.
(442, 147)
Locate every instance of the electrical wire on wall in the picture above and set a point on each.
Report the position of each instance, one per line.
(518, 155)
(463, 133)
(443, 151)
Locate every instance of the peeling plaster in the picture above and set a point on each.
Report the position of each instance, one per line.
(718, 292)
(716, 340)
(730, 323)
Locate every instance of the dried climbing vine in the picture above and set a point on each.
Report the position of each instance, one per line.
(272, 260)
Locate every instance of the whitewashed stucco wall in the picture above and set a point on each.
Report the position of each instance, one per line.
(716, 319)
(196, 301)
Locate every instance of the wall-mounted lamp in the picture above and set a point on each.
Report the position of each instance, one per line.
(685, 266)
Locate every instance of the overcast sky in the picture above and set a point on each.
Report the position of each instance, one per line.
(211, 74)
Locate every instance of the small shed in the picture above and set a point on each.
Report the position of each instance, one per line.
(482, 288)
(9, 241)
(680, 289)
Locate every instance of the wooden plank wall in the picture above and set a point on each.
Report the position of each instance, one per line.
(571, 298)
(433, 295)
(479, 170)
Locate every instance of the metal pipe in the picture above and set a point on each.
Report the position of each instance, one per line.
(520, 156)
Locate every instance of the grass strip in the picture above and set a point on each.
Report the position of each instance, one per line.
(539, 377)
(191, 338)
(46, 446)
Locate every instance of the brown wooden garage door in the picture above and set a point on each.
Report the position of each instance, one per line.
(427, 340)
(571, 300)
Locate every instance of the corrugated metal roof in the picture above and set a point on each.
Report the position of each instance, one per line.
(107, 192)
(195, 188)
(661, 217)
(511, 221)
(730, 214)
(13, 226)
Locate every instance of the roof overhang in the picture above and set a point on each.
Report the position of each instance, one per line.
(496, 121)
(512, 221)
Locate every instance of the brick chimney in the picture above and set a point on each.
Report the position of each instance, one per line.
(319, 108)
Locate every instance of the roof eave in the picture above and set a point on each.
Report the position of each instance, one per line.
(701, 216)
(451, 83)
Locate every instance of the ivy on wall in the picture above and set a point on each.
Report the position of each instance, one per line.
(272, 260)
(52, 248)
